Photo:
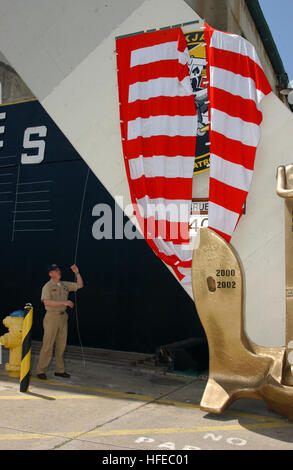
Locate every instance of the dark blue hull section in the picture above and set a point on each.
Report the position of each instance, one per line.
(130, 300)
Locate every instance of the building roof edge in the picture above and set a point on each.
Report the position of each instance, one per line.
(268, 41)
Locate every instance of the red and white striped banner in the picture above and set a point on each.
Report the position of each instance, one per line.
(236, 87)
(158, 128)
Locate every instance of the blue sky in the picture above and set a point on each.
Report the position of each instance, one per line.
(279, 16)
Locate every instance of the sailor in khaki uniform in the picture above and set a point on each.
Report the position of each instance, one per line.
(55, 298)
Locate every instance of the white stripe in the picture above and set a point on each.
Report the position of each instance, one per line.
(161, 166)
(186, 84)
(235, 84)
(235, 128)
(163, 86)
(147, 55)
(233, 174)
(222, 219)
(183, 57)
(234, 43)
(169, 249)
(162, 125)
(165, 209)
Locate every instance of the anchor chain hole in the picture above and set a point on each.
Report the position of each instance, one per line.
(212, 286)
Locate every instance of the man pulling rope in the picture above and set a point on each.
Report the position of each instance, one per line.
(55, 298)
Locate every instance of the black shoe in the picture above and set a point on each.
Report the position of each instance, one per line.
(62, 374)
(42, 376)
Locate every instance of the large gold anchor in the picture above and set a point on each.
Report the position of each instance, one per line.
(238, 368)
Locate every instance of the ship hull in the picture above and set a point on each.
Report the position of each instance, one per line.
(57, 211)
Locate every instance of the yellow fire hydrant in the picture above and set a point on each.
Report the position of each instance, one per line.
(13, 341)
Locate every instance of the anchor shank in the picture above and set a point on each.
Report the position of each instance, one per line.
(285, 190)
(289, 283)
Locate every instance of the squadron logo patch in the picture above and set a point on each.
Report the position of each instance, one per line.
(198, 76)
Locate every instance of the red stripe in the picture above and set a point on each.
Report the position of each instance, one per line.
(222, 234)
(235, 106)
(160, 145)
(185, 264)
(232, 150)
(182, 44)
(139, 41)
(176, 232)
(168, 188)
(163, 68)
(178, 274)
(160, 106)
(226, 196)
(241, 65)
(160, 69)
(183, 72)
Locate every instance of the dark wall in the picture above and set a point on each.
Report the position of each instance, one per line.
(130, 300)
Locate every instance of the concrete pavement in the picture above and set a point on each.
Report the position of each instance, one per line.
(109, 407)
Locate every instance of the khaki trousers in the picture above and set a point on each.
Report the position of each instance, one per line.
(55, 331)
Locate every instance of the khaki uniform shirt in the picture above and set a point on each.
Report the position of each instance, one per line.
(58, 292)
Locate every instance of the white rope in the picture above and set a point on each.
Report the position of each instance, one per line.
(75, 258)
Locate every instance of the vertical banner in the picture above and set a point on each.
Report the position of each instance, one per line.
(158, 128)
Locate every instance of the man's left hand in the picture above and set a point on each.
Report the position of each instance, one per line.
(74, 268)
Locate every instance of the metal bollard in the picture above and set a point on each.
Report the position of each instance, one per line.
(26, 348)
